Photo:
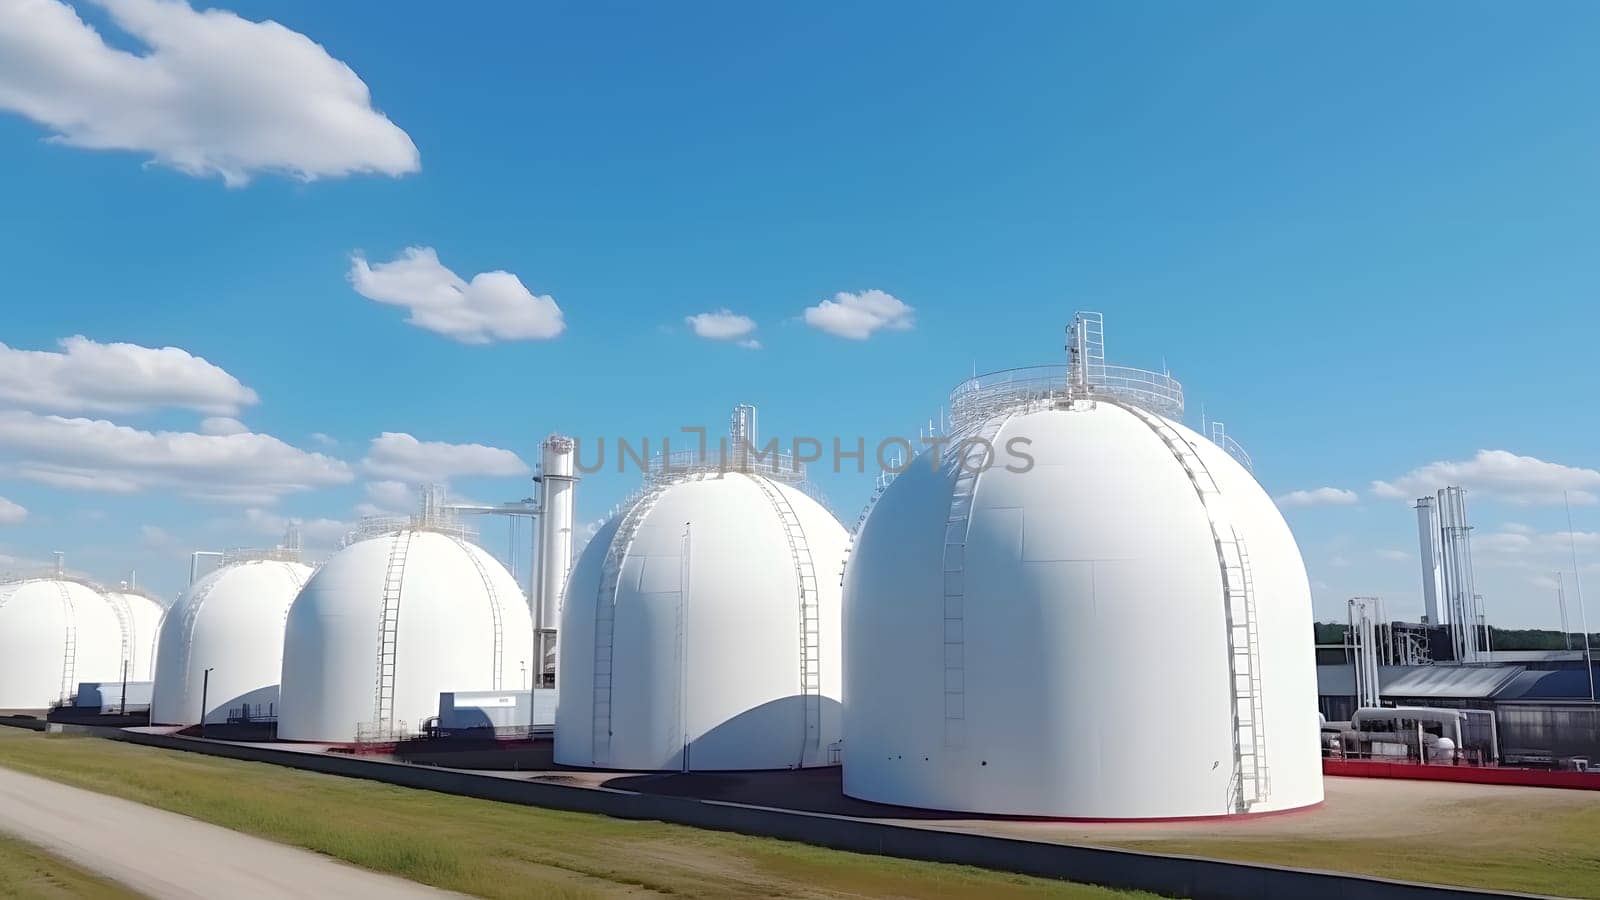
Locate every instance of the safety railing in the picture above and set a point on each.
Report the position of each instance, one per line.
(772, 463)
(978, 398)
(378, 526)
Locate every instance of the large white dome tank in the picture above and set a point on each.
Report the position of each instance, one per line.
(390, 622)
(1118, 631)
(144, 618)
(56, 633)
(231, 622)
(700, 628)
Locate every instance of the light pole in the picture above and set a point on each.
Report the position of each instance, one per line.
(1577, 583)
(205, 688)
(524, 664)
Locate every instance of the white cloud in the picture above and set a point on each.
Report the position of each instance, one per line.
(1533, 557)
(1502, 542)
(402, 458)
(1322, 496)
(388, 498)
(725, 325)
(1551, 544)
(857, 316)
(206, 93)
(493, 306)
(222, 425)
(1392, 555)
(11, 513)
(1523, 480)
(315, 534)
(87, 376)
(155, 537)
(14, 566)
(96, 455)
(324, 439)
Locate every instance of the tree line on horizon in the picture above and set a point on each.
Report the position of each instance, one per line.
(1499, 638)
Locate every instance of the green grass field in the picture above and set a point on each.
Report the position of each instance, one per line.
(1524, 845)
(29, 873)
(493, 849)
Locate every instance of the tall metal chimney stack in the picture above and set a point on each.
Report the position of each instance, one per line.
(1428, 538)
(556, 485)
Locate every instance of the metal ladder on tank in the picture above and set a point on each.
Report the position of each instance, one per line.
(389, 632)
(1251, 782)
(69, 654)
(119, 605)
(967, 462)
(605, 616)
(494, 612)
(1253, 772)
(191, 615)
(805, 572)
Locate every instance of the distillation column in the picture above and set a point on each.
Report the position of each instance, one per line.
(556, 484)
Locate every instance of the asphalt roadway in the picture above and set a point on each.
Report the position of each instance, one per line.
(163, 854)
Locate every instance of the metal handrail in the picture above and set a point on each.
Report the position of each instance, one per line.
(378, 526)
(10, 578)
(274, 554)
(1219, 436)
(978, 398)
(1236, 451)
(776, 464)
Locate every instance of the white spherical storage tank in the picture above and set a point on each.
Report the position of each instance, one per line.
(389, 623)
(1110, 620)
(144, 617)
(56, 633)
(700, 631)
(230, 622)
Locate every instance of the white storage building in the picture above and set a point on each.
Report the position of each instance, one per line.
(1109, 620)
(55, 633)
(391, 622)
(700, 628)
(230, 622)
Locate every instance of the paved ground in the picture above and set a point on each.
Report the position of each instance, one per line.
(166, 855)
(1355, 808)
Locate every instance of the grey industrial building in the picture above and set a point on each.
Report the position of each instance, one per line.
(1542, 700)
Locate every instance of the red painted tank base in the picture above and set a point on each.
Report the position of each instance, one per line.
(1355, 768)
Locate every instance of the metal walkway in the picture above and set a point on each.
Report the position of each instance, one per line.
(1251, 782)
(119, 605)
(972, 452)
(389, 631)
(495, 613)
(69, 656)
(605, 614)
(191, 615)
(810, 616)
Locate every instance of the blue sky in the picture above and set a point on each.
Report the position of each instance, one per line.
(1363, 236)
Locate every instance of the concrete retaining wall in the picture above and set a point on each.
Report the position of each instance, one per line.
(27, 722)
(1175, 876)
